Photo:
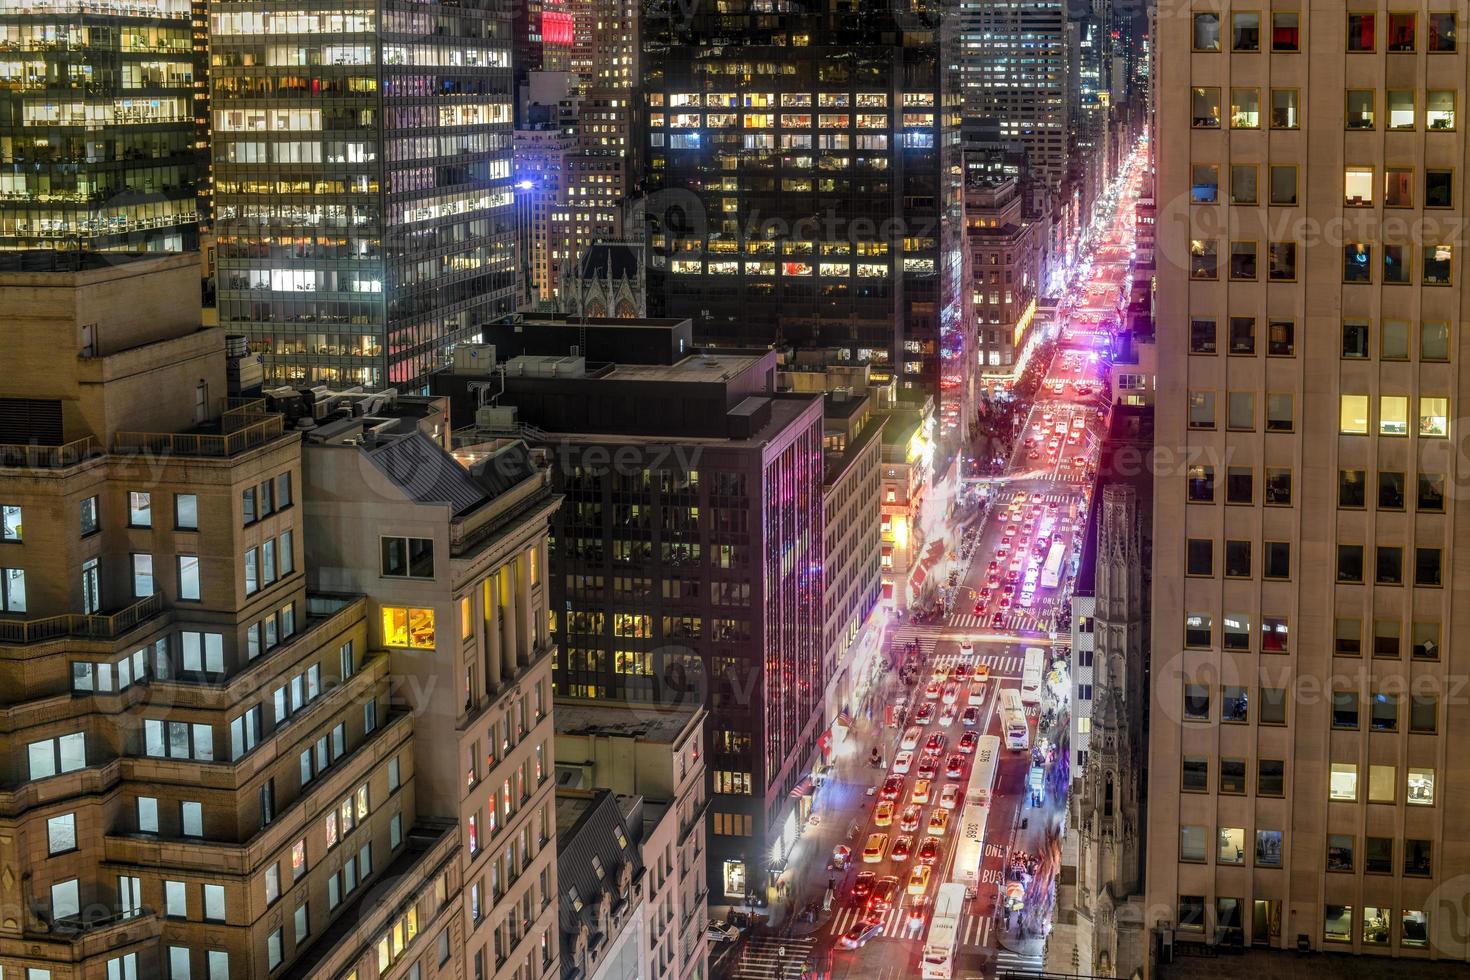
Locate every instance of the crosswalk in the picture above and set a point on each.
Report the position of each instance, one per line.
(895, 922)
(773, 958)
(1011, 622)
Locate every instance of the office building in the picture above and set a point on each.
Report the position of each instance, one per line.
(603, 933)
(908, 468)
(1005, 285)
(364, 210)
(1305, 781)
(656, 756)
(128, 69)
(204, 773)
(802, 180)
(688, 563)
(451, 554)
(1013, 68)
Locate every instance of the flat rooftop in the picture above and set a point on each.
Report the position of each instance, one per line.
(569, 812)
(647, 722)
(700, 368)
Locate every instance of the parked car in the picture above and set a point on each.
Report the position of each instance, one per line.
(722, 932)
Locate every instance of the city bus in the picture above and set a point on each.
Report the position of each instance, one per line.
(1031, 675)
(969, 849)
(1051, 572)
(983, 772)
(1013, 720)
(944, 932)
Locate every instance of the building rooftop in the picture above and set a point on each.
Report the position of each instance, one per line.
(704, 369)
(649, 723)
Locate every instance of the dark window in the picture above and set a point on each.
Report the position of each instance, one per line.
(1202, 484)
(1339, 852)
(1202, 336)
(1385, 714)
(1357, 263)
(1270, 777)
(1273, 706)
(1344, 709)
(1417, 857)
(1400, 32)
(1200, 557)
(1196, 777)
(408, 557)
(1426, 641)
(1242, 335)
(1427, 570)
(1237, 559)
(1235, 704)
(1423, 713)
(1440, 32)
(1350, 563)
(1388, 566)
(1276, 560)
(1232, 776)
(1280, 336)
(1387, 638)
(1278, 485)
(1196, 702)
(1360, 32)
(1391, 490)
(1439, 188)
(1348, 637)
(1351, 490)
(1378, 855)
(1431, 492)
(1239, 485)
(1355, 338)
(1286, 31)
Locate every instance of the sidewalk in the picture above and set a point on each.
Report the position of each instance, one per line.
(1025, 933)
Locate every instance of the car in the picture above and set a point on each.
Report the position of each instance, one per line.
(892, 787)
(947, 714)
(1033, 454)
(919, 879)
(936, 742)
(980, 608)
(1028, 599)
(951, 693)
(1047, 417)
(915, 914)
(992, 566)
(923, 715)
(920, 793)
(949, 796)
(862, 886)
(968, 741)
(875, 848)
(902, 849)
(970, 717)
(903, 760)
(1011, 529)
(884, 892)
(967, 650)
(1005, 539)
(908, 820)
(1001, 553)
(883, 813)
(982, 594)
(1005, 602)
(1036, 497)
(911, 737)
(928, 766)
(931, 693)
(954, 766)
(997, 621)
(1078, 422)
(1079, 461)
(722, 932)
(992, 580)
(939, 822)
(857, 937)
(928, 851)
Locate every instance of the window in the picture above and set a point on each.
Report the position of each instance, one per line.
(142, 576)
(1401, 112)
(1426, 641)
(413, 628)
(1275, 634)
(1273, 706)
(283, 491)
(272, 883)
(186, 512)
(89, 516)
(1357, 262)
(1358, 187)
(1378, 855)
(1384, 715)
(1281, 264)
(147, 815)
(1351, 489)
(1237, 559)
(273, 950)
(1440, 33)
(1343, 782)
(1382, 783)
(1417, 854)
(1240, 414)
(1242, 335)
(1437, 264)
(1204, 259)
(1390, 490)
(1398, 187)
(1421, 787)
(61, 833)
(1234, 705)
(1199, 557)
(1245, 108)
(214, 903)
(1205, 108)
(53, 756)
(1243, 262)
(1413, 926)
(1388, 566)
(1434, 341)
(1245, 32)
(1268, 848)
(1350, 563)
(1198, 629)
(175, 899)
(1201, 409)
(1339, 852)
(1276, 560)
(1347, 637)
(1201, 483)
(1283, 185)
(140, 513)
(1205, 187)
(1280, 412)
(1387, 638)
(1439, 109)
(1284, 108)
(1285, 31)
(13, 589)
(1360, 32)
(1192, 844)
(1278, 486)
(301, 923)
(1270, 777)
(1281, 334)
(1344, 709)
(1196, 774)
(1427, 567)
(1244, 184)
(1230, 845)
(1355, 338)
(247, 505)
(1353, 414)
(1237, 634)
(1207, 32)
(1439, 189)
(1232, 776)
(218, 962)
(123, 967)
(10, 522)
(1360, 106)
(1202, 335)
(1196, 702)
(188, 569)
(252, 571)
(408, 557)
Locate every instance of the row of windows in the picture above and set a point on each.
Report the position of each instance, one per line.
(1360, 186)
(1385, 708)
(1383, 784)
(1400, 32)
(1395, 338)
(1436, 262)
(1360, 106)
(1199, 632)
(1337, 922)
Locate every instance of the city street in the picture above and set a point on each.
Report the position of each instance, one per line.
(1001, 605)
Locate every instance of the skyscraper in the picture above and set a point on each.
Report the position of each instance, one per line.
(363, 186)
(804, 180)
(98, 140)
(1306, 781)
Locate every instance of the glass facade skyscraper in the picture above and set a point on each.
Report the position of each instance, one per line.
(98, 146)
(363, 197)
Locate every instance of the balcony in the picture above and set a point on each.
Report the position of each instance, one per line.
(240, 430)
(80, 626)
(95, 936)
(32, 457)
